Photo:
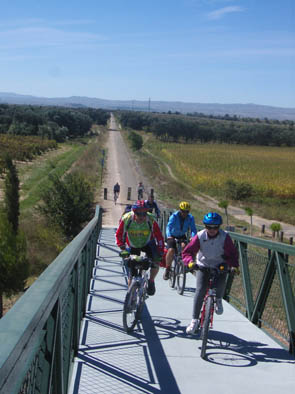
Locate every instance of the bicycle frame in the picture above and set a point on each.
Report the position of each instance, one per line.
(208, 308)
(178, 269)
(174, 265)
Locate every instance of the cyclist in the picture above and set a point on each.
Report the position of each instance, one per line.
(177, 227)
(140, 190)
(152, 205)
(212, 246)
(116, 191)
(139, 230)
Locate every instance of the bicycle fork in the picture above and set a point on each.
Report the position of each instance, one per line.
(211, 293)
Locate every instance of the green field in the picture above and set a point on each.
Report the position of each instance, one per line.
(206, 168)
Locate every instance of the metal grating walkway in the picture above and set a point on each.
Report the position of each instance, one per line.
(158, 357)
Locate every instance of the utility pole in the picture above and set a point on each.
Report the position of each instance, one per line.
(149, 108)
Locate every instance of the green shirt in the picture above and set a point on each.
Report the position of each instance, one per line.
(139, 234)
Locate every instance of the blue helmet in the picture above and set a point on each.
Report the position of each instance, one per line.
(213, 219)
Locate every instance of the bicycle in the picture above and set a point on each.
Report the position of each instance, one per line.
(137, 292)
(209, 303)
(178, 270)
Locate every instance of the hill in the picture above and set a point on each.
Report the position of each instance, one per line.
(243, 110)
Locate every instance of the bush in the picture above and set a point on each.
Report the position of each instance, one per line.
(68, 202)
(136, 140)
(238, 191)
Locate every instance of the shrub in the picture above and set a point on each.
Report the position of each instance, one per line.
(68, 202)
(238, 191)
(136, 140)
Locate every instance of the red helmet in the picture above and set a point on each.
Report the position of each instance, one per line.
(139, 205)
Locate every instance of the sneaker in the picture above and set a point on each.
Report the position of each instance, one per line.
(193, 326)
(219, 307)
(166, 274)
(151, 288)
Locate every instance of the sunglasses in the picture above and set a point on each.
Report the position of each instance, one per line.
(140, 214)
(184, 211)
(212, 227)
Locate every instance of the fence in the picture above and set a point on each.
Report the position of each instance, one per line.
(40, 334)
(264, 292)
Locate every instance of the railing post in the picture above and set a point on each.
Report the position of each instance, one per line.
(246, 278)
(129, 193)
(288, 297)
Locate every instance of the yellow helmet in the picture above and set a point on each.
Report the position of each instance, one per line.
(184, 206)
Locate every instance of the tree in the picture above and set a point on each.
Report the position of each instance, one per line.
(14, 266)
(12, 194)
(275, 228)
(136, 140)
(68, 202)
(224, 204)
(249, 212)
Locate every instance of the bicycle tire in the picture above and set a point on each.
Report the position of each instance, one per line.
(130, 316)
(142, 297)
(206, 323)
(181, 277)
(172, 273)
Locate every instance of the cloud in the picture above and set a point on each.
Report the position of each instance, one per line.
(218, 14)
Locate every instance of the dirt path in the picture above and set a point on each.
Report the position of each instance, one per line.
(119, 168)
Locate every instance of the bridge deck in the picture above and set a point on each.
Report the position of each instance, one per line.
(158, 356)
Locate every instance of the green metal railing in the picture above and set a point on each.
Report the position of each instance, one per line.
(264, 292)
(39, 336)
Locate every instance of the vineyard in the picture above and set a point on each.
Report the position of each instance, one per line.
(23, 148)
(268, 172)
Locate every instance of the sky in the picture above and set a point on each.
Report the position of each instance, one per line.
(201, 51)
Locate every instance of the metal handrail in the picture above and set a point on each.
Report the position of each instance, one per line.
(264, 292)
(39, 335)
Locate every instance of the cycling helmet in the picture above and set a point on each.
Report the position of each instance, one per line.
(184, 206)
(212, 219)
(139, 205)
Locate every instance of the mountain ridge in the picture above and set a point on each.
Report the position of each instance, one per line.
(215, 109)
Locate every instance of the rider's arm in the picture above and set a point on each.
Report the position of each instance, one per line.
(190, 251)
(193, 227)
(120, 234)
(170, 226)
(230, 252)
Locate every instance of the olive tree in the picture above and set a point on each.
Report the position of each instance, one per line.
(68, 202)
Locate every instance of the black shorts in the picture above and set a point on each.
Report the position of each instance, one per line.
(171, 243)
(150, 250)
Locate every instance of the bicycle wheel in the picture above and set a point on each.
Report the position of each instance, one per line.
(172, 274)
(141, 300)
(205, 328)
(130, 308)
(181, 277)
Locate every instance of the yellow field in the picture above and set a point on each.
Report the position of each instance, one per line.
(270, 170)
